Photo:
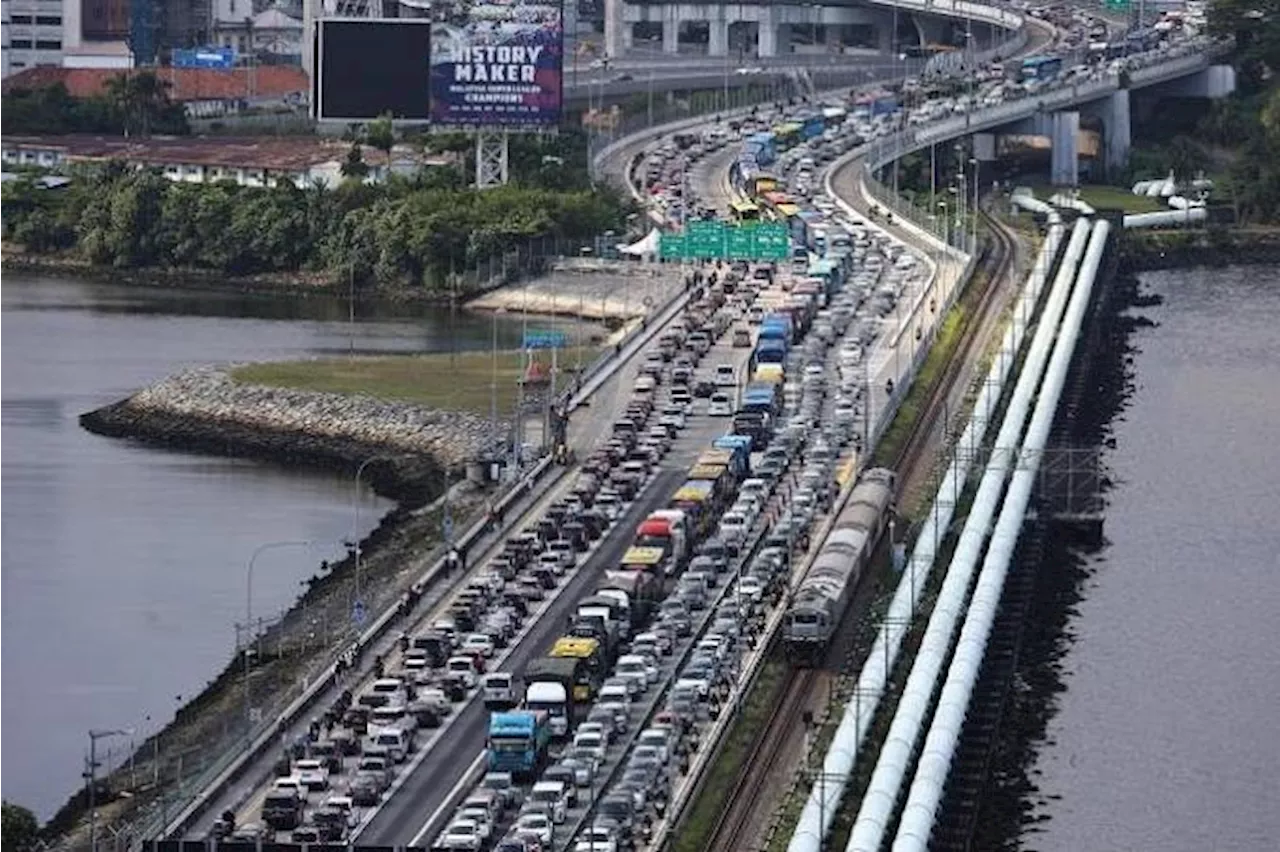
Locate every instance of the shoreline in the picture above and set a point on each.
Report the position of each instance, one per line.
(568, 288)
(205, 411)
(1150, 250)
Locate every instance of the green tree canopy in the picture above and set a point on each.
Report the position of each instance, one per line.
(20, 830)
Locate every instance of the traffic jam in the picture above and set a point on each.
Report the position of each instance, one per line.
(587, 745)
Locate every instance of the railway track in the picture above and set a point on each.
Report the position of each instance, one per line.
(750, 793)
(983, 306)
(741, 809)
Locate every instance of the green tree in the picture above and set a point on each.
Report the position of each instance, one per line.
(142, 102)
(381, 134)
(1186, 159)
(20, 830)
(354, 166)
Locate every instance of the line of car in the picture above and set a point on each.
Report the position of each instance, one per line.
(326, 781)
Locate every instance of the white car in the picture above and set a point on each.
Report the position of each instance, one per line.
(291, 784)
(463, 667)
(721, 405)
(594, 742)
(313, 774)
(726, 376)
(734, 526)
(536, 823)
(751, 588)
(462, 834)
(596, 839)
(480, 816)
(478, 643)
(634, 665)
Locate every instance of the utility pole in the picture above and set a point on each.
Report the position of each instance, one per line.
(91, 775)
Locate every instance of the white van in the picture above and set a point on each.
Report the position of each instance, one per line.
(397, 743)
(499, 690)
(720, 406)
(550, 794)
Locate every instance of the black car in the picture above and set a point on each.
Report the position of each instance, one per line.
(704, 388)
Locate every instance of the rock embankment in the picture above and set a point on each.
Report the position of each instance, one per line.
(206, 410)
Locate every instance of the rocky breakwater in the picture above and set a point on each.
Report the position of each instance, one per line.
(206, 410)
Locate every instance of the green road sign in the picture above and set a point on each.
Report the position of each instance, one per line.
(772, 241)
(1116, 5)
(741, 243)
(720, 241)
(673, 247)
(707, 238)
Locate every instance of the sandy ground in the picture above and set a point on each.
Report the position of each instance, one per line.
(590, 289)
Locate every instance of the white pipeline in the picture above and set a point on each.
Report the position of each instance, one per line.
(909, 721)
(1165, 218)
(944, 734)
(825, 798)
(1029, 202)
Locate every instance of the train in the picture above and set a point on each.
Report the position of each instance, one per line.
(819, 603)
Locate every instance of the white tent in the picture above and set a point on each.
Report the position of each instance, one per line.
(645, 246)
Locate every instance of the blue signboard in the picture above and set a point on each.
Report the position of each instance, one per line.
(545, 339)
(499, 65)
(204, 57)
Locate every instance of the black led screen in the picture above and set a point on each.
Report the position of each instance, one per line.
(365, 68)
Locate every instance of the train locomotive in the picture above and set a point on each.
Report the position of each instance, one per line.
(822, 597)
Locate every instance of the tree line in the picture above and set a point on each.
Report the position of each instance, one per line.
(131, 104)
(404, 232)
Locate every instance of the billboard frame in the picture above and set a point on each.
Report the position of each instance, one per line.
(317, 86)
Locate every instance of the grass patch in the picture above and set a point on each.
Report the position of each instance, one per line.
(700, 820)
(1115, 197)
(458, 382)
(940, 354)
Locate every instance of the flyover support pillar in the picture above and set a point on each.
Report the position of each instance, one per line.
(767, 39)
(718, 33)
(670, 29)
(1117, 132)
(613, 26)
(1064, 158)
(984, 147)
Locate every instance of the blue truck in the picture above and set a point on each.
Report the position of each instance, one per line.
(761, 396)
(518, 741)
(770, 351)
(776, 326)
(741, 447)
(812, 126)
(761, 147)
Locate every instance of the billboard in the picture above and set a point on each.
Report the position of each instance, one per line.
(369, 66)
(499, 64)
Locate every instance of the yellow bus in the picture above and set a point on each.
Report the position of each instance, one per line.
(590, 671)
(746, 211)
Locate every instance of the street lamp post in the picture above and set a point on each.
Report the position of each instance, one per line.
(91, 775)
(493, 383)
(248, 617)
(973, 242)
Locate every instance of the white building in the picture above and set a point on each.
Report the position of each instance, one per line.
(270, 31)
(246, 161)
(31, 33)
